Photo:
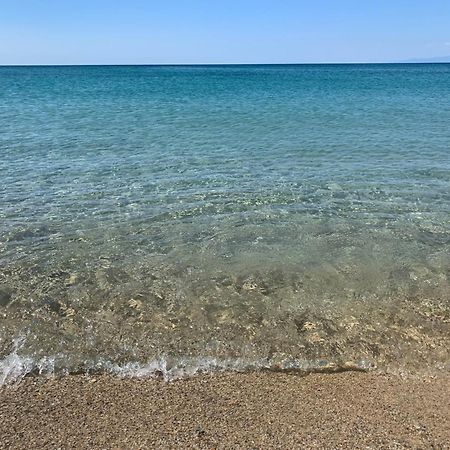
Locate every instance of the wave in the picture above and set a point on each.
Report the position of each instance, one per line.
(14, 367)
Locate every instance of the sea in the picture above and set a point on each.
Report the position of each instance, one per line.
(173, 220)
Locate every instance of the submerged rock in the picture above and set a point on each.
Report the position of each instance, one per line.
(111, 276)
(5, 295)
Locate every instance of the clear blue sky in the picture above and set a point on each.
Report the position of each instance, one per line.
(222, 31)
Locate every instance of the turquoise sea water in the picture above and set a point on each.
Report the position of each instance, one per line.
(176, 219)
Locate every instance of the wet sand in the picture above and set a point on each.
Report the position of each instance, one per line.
(254, 410)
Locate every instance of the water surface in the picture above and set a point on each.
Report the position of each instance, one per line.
(191, 218)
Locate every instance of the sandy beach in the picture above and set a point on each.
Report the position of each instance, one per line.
(253, 410)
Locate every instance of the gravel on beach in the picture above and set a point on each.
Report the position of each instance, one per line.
(235, 410)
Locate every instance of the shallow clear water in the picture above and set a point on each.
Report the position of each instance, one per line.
(181, 218)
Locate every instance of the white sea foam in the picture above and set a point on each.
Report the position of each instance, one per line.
(14, 366)
(172, 369)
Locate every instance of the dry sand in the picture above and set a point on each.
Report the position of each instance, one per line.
(255, 410)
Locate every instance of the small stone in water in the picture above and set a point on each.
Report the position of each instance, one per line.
(72, 279)
(309, 326)
(136, 304)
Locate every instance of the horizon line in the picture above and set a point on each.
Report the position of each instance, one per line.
(219, 64)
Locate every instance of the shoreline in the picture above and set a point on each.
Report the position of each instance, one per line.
(229, 410)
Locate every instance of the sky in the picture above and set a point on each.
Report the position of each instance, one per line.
(222, 31)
